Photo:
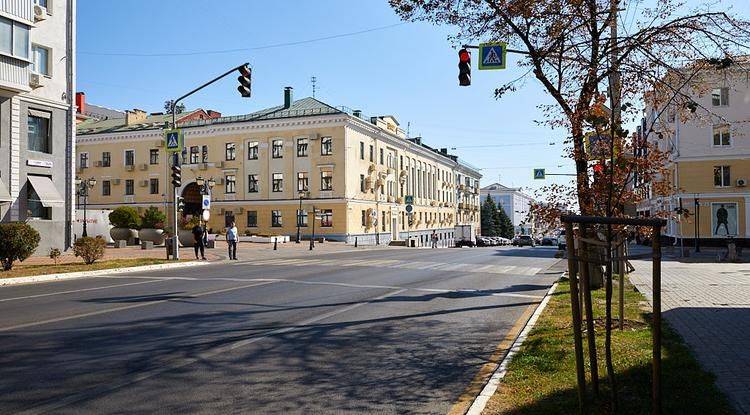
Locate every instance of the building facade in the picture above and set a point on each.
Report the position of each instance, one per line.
(37, 65)
(515, 203)
(709, 161)
(354, 171)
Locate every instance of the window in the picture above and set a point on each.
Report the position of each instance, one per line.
(383, 221)
(722, 176)
(106, 159)
(277, 149)
(364, 218)
(14, 38)
(401, 162)
(153, 156)
(276, 218)
(230, 151)
(326, 218)
(372, 154)
(302, 147)
(277, 182)
(38, 130)
(720, 97)
(129, 157)
(302, 182)
(40, 60)
(362, 183)
(326, 180)
(106, 188)
(153, 186)
(129, 187)
(194, 154)
(326, 146)
(722, 136)
(252, 183)
(230, 183)
(252, 150)
(204, 154)
(301, 218)
(42, 3)
(252, 218)
(381, 156)
(34, 207)
(84, 160)
(361, 150)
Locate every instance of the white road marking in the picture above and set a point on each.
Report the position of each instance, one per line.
(127, 307)
(26, 297)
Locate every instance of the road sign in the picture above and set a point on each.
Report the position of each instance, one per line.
(409, 199)
(492, 55)
(206, 215)
(409, 208)
(206, 202)
(539, 174)
(173, 140)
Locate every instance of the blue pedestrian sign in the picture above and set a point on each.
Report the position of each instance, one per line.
(173, 140)
(492, 55)
(539, 174)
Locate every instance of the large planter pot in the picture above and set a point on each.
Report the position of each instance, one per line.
(123, 234)
(152, 235)
(186, 237)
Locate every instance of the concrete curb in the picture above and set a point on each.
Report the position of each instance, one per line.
(83, 274)
(480, 402)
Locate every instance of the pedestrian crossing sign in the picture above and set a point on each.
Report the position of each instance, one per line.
(539, 174)
(173, 140)
(492, 55)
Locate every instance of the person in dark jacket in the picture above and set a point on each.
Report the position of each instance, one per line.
(200, 245)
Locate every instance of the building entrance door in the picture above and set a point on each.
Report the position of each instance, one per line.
(394, 228)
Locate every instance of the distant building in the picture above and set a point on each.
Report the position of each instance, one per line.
(37, 80)
(515, 203)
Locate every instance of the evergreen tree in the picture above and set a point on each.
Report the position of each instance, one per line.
(487, 216)
(505, 226)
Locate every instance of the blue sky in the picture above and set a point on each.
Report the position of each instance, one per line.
(408, 70)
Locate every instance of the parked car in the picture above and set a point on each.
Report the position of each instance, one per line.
(495, 240)
(524, 240)
(549, 241)
(483, 241)
(505, 241)
(561, 245)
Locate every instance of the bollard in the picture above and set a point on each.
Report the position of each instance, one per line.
(355, 241)
(275, 242)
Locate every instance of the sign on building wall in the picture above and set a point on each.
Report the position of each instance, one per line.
(724, 219)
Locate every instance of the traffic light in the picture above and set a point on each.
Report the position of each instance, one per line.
(180, 204)
(176, 175)
(245, 80)
(464, 67)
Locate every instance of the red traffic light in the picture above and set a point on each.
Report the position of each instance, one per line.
(245, 70)
(464, 67)
(464, 56)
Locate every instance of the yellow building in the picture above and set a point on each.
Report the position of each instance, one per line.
(709, 161)
(355, 171)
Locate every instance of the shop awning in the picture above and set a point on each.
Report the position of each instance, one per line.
(4, 193)
(48, 195)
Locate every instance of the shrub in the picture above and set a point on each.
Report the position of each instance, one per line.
(188, 222)
(90, 249)
(153, 218)
(19, 241)
(125, 217)
(54, 253)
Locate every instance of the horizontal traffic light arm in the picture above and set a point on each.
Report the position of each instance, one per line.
(522, 52)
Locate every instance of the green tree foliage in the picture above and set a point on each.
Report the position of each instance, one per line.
(90, 249)
(179, 109)
(505, 226)
(153, 218)
(125, 217)
(488, 214)
(19, 241)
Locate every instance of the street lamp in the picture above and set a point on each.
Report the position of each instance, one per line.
(83, 191)
(301, 195)
(697, 223)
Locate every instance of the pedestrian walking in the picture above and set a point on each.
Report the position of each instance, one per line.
(232, 238)
(434, 239)
(199, 241)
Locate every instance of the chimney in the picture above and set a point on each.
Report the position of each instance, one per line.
(288, 97)
(213, 114)
(81, 102)
(444, 151)
(134, 116)
(357, 113)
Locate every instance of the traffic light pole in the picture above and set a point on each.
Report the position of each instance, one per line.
(176, 161)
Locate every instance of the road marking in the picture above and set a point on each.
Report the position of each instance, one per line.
(77, 291)
(180, 363)
(127, 307)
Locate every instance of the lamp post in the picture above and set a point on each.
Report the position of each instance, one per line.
(83, 191)
(697, 223)
(301, 195)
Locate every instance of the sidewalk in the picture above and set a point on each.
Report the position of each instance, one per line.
(709, 306)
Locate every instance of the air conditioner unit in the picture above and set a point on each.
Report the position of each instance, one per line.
(314, 136)
(144, 167)
(115, 181)
(130, 167)
(35, 80)
(220, 181)
(741, 182)
(240, 210)
(203, 166)
(159, 143)
(144, 183)
(219, 164)
(40, 13)
(98, 163)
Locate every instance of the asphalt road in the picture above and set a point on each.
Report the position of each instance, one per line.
(372, 331)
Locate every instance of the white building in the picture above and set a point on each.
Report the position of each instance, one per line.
(515, 203)
(37, 66)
